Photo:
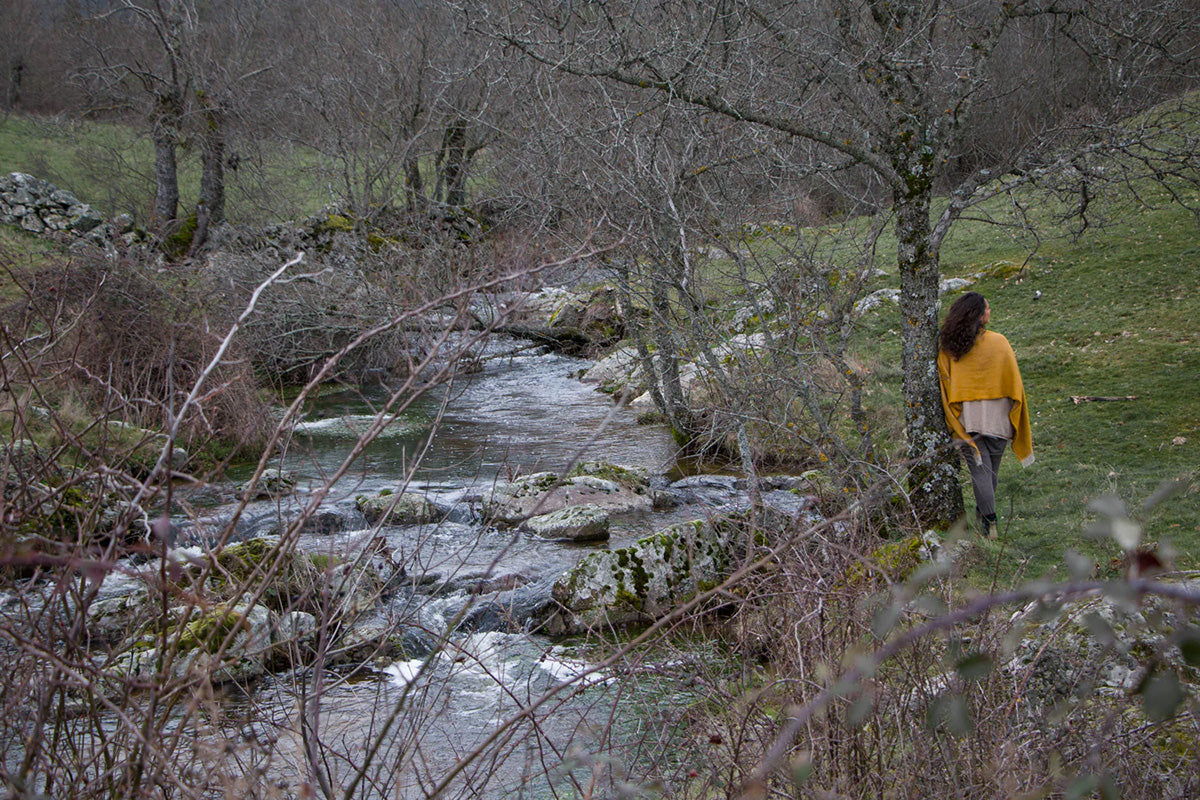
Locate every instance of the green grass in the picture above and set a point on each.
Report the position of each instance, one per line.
(1117, 315)
(111, 167)
(103, 164)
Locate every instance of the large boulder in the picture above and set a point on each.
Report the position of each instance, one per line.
(646, 580)
(231, 642)
(586, 523)
(615, 491)
(404, 508)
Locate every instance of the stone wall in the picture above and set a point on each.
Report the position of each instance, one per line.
(42, 208)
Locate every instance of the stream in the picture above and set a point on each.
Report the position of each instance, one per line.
(524, 412)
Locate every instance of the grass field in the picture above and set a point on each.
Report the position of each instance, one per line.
(111, 167)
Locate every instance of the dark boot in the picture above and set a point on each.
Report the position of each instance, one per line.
(990, 526)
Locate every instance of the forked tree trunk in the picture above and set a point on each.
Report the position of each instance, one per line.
(210, 210)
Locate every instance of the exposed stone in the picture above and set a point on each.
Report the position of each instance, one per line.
(115, 618)
(875, 299)
(586, 523)
(1101, 644)
(272, 483)
(405, 508)
(642, 582)
(379, 639)
(544, 492)
(953, 285)
(618, 372)
(43, 209)
(295, 626)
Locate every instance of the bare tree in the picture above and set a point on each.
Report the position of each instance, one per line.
(185, 66)
(888, 91)
(397, 111)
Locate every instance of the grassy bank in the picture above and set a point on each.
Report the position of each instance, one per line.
(1111, 313)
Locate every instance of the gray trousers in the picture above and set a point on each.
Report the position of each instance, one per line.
(985, 476)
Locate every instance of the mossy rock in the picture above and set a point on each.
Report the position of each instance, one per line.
(644, 581)
(406, 508)
(546, 492)
(335, 223)
(622, 476)
(892, 562)
(176, 244)
(272, 483)
(209, 630)
(293, 582)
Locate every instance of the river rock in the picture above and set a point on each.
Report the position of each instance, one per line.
(272, 483)
(523, 608)
(586, 523)
(642, 582)
(114, 618)
(247, 652)
(295, 627)
(325, 521)
(405, 508)
(618, 372)
(245, 629)
(379, 638)
(708, 490)
(545, 492)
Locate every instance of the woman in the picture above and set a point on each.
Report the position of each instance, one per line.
(983, 398)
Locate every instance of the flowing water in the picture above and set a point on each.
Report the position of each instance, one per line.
(523, 412)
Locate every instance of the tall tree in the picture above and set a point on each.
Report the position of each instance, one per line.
(890, 90)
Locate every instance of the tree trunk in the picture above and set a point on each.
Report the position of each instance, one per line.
(454, 163)
(933, 478)
(166, 177)
(210, 210)
(16, 70)
(414, 188)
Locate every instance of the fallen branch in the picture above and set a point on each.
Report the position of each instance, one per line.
(1089, 398)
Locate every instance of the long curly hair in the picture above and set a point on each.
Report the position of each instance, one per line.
(963, 324)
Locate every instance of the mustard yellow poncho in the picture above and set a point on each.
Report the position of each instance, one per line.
(987, 372)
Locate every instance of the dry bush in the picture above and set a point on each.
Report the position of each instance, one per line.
(129, 338)
(971, 708)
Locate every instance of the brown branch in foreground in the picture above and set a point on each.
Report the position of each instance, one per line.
(844, 684)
